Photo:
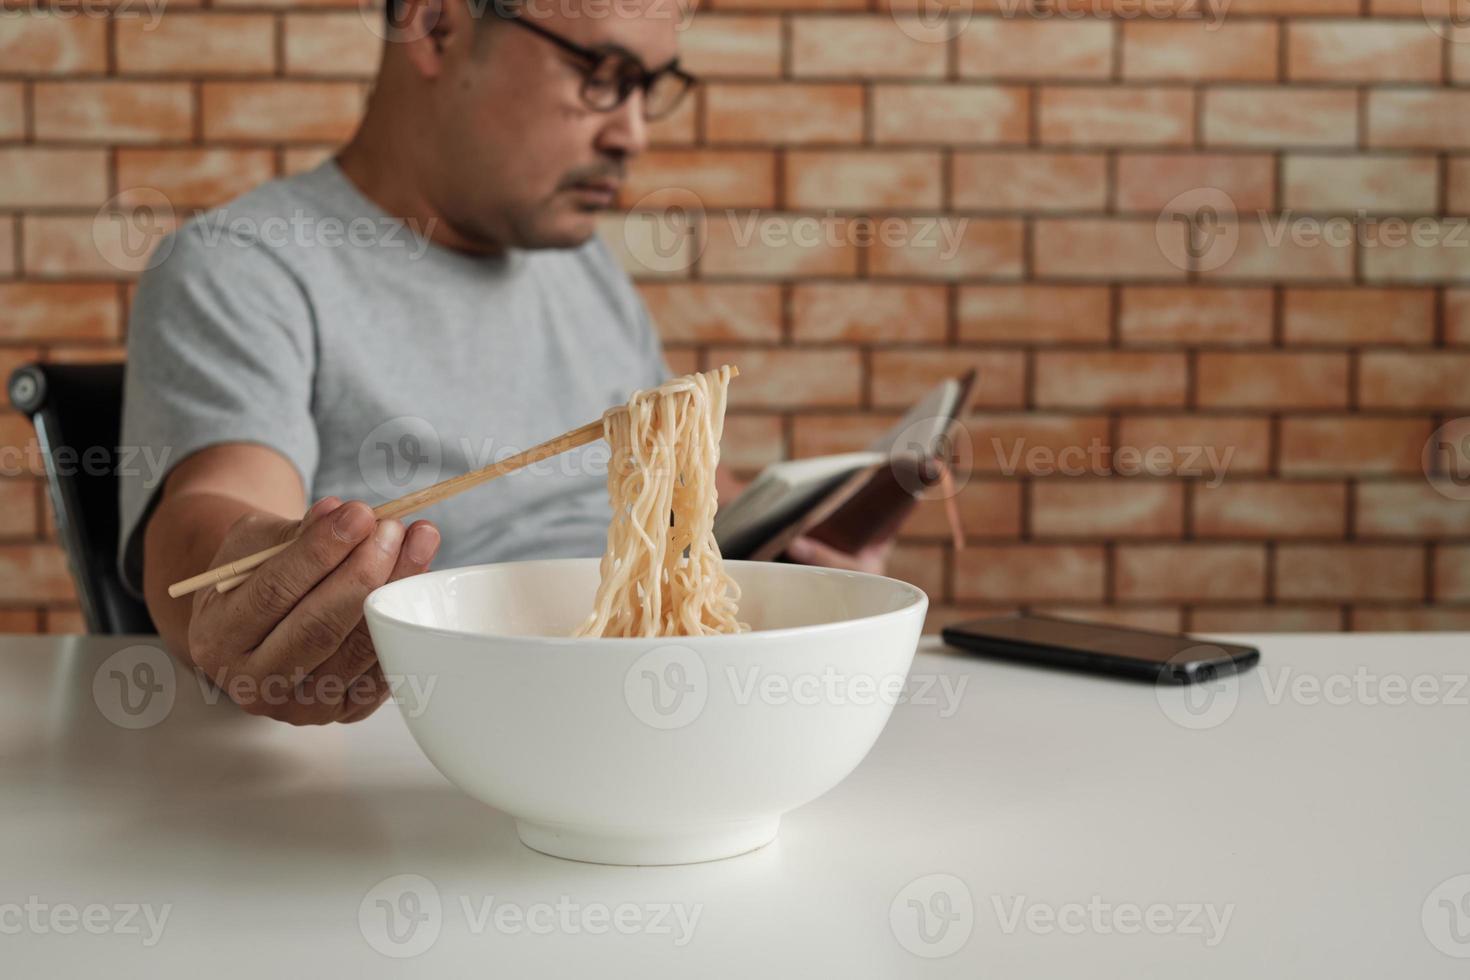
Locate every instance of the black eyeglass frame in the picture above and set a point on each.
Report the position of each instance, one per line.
(595, 58)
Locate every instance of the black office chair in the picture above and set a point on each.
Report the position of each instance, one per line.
(78, 408)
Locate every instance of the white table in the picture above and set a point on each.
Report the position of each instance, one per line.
(1052, 825)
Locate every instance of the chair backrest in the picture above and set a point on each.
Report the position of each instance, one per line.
(77, 412)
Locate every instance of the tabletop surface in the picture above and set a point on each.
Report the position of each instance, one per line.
(1307, 819)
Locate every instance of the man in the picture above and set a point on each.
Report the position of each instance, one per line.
(276, 369)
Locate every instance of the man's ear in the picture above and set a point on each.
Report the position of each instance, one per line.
(429, 27)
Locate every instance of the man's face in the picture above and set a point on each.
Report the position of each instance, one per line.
(520, 159)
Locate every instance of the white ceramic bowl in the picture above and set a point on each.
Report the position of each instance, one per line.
(644, 751)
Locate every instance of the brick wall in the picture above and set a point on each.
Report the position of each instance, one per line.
(1121, 218)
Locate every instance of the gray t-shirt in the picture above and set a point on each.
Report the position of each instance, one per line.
(304, 318)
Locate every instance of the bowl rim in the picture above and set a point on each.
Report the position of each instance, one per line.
(918, 601)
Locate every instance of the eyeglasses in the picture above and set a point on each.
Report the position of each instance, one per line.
(610, 76)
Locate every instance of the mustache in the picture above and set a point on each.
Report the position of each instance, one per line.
(598, 172)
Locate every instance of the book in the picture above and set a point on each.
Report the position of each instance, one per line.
(847, 500)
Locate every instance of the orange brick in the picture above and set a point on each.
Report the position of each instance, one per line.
(285, 4)
(1413, 509)
(1280, 116)
(194, 177)
(1457, 185)
(1414, 379)
(1033, 314)
(1149, 181)
(1190, 571)
(784, 113)
(1390, 619)
(816, 434)
(921, 565)
(1109, 378)
(1257, 509)
(37, 177)
(732, 46)
(1452, 573)
(41, 43)
(1108, 248)
(951, 114)
(710, 312)
(19, 513)
(1114, 508)
(1205, 447)
(1281, 249)
(1353, 51)
(682, 360)
(1194, 316)
(7, 246)
(60, 311)
(866, 47)
(1429, 118)
(1310, 571)
(199, 44)
(779, 246)
(866, 312)
(113, 112)
(1351, 445)
(276, 111)
(1457, 316)
(792, 378)
(331, 44)
(903, 377)
(1165, 619)
(862, 181)
(1358, 316)
(1396, 184)
(1010, 181)
(793, 4)
(1242, 51)
(998, 47)
(710, 178)
(19, 620)
(1459, 57)
(1033, 444)
(1272, 380)
(989, 510)
(1423, 251)
(1017, 573)
(1266, 619)
(679, 128)
(12, 111)
(35, 573)
(751, 442)
(947, 247)
(67, 246)
(1117, 116)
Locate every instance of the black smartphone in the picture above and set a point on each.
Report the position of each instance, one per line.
(1096, 647)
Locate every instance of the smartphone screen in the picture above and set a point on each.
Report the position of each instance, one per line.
(1099, 647)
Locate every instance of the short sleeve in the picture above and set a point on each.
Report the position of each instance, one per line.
(634, 311)
(221, 348)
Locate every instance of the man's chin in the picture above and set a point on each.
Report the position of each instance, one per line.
(568, 231)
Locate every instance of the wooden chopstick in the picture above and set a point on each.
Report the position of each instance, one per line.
(227, 576)
(417, 500)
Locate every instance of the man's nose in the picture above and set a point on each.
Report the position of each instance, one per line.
(626, 131)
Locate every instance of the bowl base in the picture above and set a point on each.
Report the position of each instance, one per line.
(596, 845)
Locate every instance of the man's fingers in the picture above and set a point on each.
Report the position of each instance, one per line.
(254, 610)
(365, 696)
(321, 620)
(356, 655)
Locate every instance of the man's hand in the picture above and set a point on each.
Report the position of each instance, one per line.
(872, 559)
(290, 642)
